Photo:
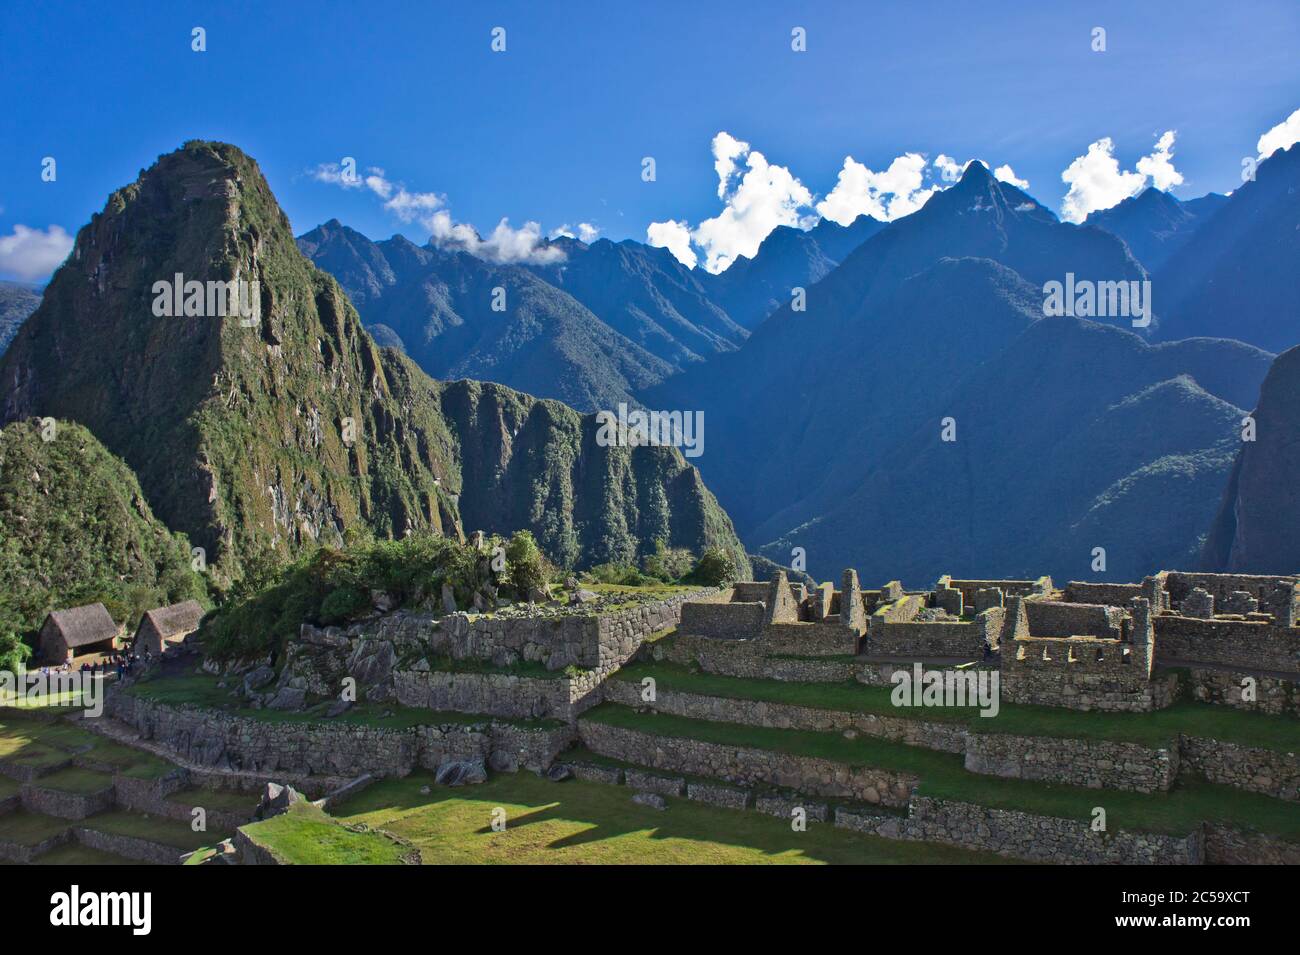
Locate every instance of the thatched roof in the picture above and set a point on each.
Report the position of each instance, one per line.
(178, 618)
(82, 625)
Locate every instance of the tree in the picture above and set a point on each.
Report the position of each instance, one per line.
(715, 568)
(525, 564)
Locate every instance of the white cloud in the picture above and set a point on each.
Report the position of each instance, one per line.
(429, 209)
(675, 237)
(758, 197)
(889, 194)
(31, 254)
(1096, 181)
(583, 231)
(1281, 136)
(1159, 165)
(949, 169)
(1005, 173)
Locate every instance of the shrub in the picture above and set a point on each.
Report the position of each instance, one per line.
(525, 564)
(13, 652)
(715, 568)
(622, 574)
(668, 564)
(343, 603)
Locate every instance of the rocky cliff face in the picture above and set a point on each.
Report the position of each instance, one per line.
(289, 426)
(1255, 531)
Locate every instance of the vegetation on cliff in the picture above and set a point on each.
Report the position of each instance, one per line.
(75, 528)
(284, 433)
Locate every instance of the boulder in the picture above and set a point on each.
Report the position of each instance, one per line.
(650, 800)
(288, 698)
(261, 677)
(461, 772)
(277, 799)
(559, 772)
(583, 597)
(448, 599)
(381, 601)
(338, 708)
(501, 761)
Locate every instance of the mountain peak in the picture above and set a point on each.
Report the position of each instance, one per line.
(976, 172)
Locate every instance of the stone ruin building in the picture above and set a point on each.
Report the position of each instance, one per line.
(1086, 646)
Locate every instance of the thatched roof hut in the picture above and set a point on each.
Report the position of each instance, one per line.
(76, 632)
(167, 626)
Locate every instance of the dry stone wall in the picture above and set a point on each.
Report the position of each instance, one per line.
(1243, 644)
(1275, 696)
(1096, 764)
(1023, 835)
(1271, 772)
(746, 766)
(213, 738)
(498, 694)
(944, 737)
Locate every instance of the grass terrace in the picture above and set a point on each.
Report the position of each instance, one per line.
(1157, 729)
(43, 744)
(305, 835)
(579, 822)
(943, 775)
(201, 689)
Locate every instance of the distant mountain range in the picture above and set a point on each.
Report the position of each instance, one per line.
(1154, 224)
(830, 419)
(291, 427)
(606, 322)
(1237, 276)
(826, 426)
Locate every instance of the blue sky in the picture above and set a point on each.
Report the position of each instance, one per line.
(554, 129)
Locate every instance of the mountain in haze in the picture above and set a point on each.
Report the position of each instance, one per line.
(789, 258)
(1236, 278)
(608, 321)
(291, 426)
(17, 301)
(1154, 224)
(647, 296)
(829, 414)
(811, 396)
(1076, 436)
(1255, 529)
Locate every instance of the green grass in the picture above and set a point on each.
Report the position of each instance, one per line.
(30, 828)
(200, 689)
(1157, 729)
(943, 775)
(39, 744)
(577, 822)
(167, 832)
(305, 835)
(75, 780)
(73, 853)
(218, 799)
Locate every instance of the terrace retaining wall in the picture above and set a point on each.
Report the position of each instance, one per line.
(243, 744)
(747, 766)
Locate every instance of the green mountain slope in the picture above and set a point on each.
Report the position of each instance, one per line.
(288, 429)
(75, 528)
